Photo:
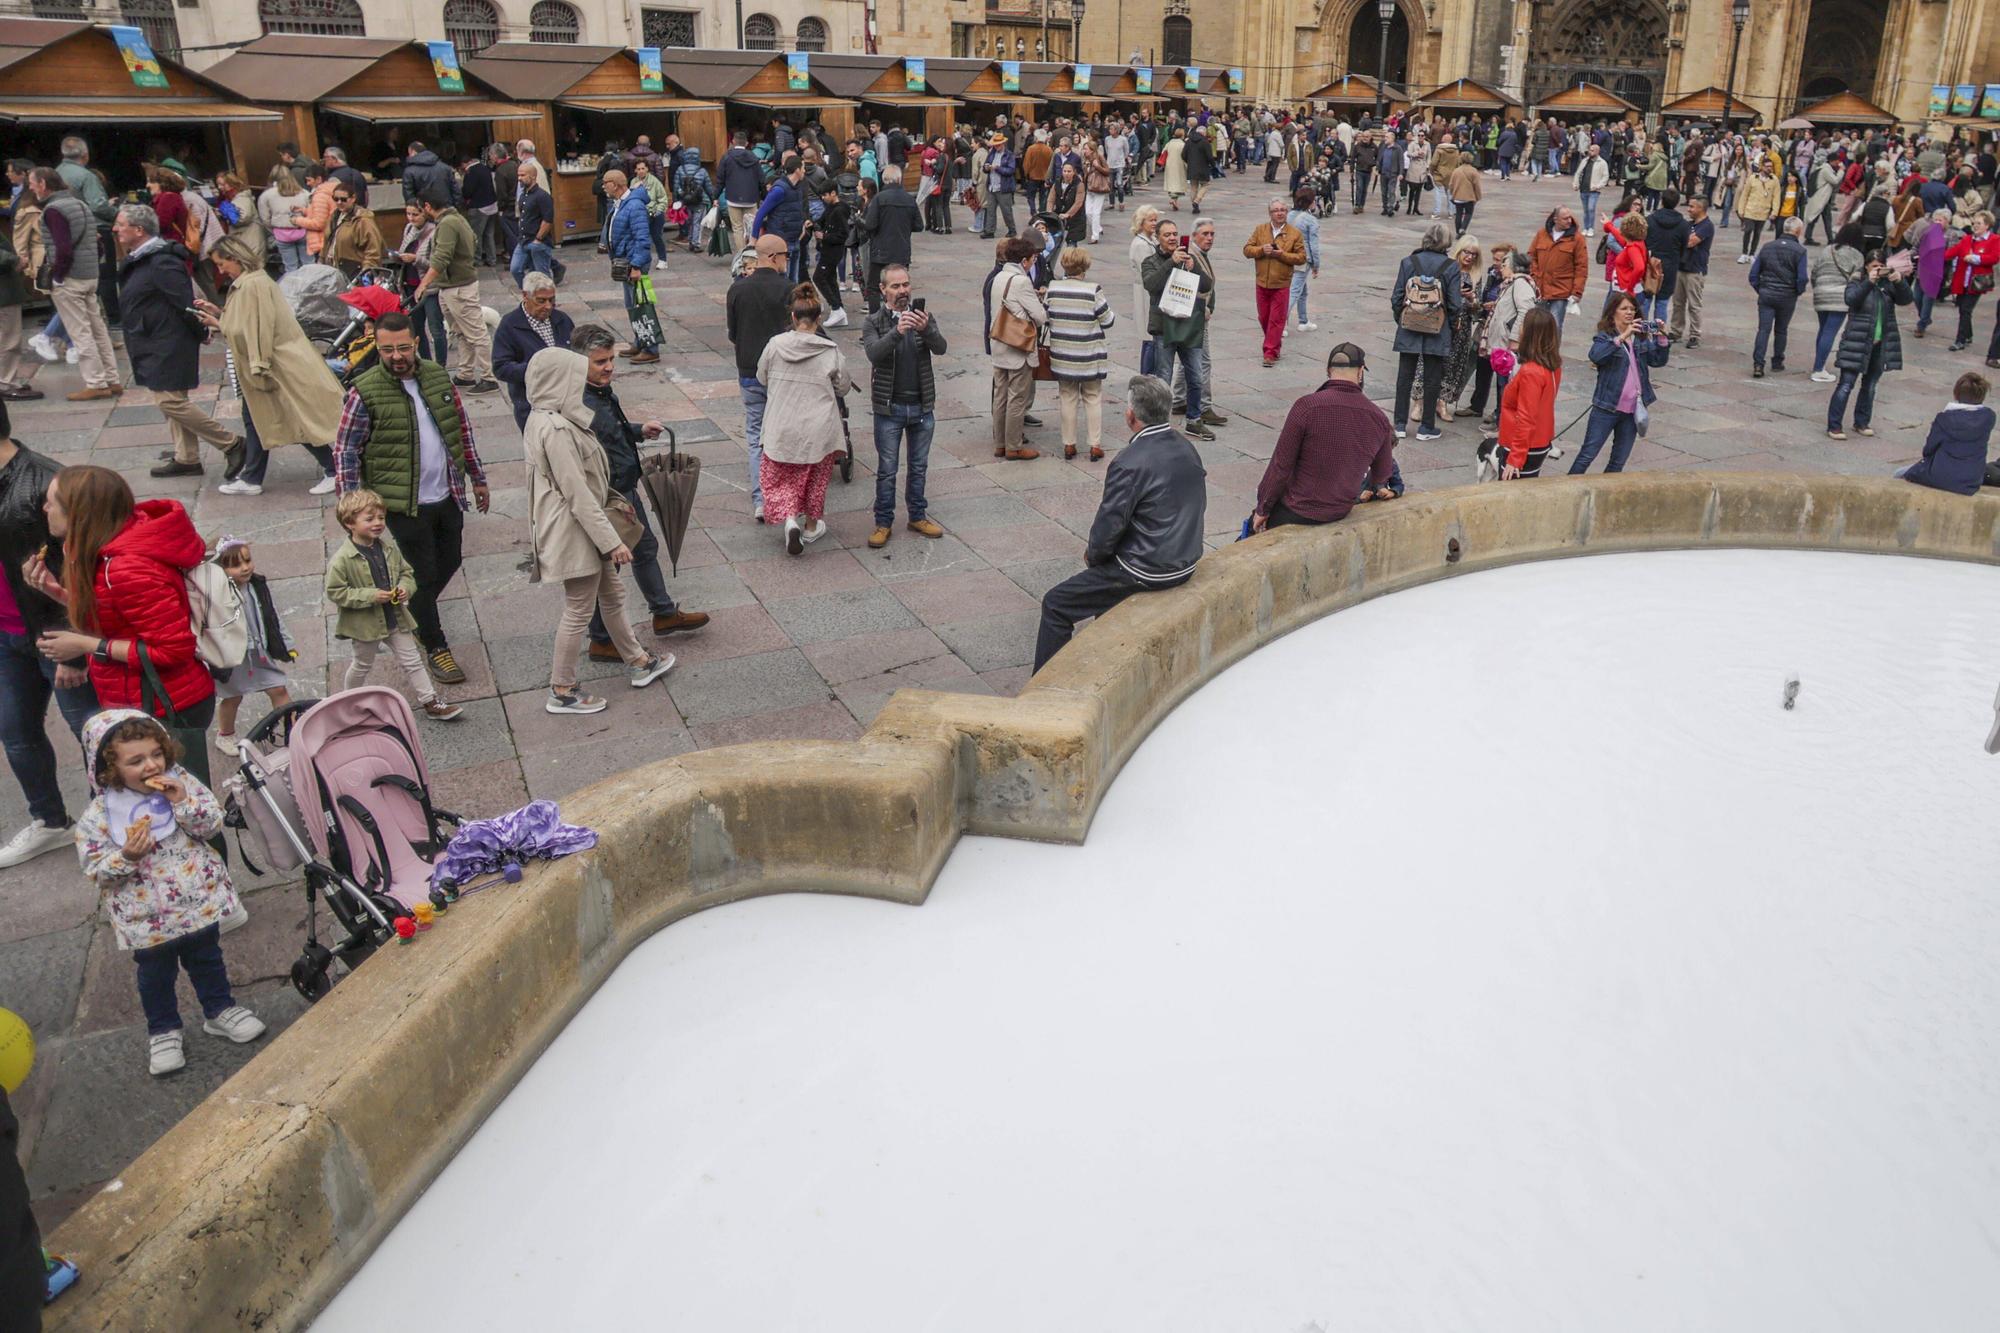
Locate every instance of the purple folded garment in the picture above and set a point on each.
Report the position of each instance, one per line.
(483, 846)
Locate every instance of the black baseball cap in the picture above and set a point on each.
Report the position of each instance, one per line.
(1346, 356)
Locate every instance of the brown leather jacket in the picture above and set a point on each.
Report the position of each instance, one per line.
(1276, 270)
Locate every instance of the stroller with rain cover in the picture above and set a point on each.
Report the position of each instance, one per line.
(339, 789)
(336, 314)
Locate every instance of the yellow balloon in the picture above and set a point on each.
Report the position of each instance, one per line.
(17, 1050)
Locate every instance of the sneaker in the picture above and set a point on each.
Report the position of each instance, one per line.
(1401, 433)
(660, 264)
(838, 319)
(1030, 419)
(35, 840)
(444, 667)
(324, 486)
(225, 742)
(170, 468)
(650, 670)
(1743, 259)
(26, 393)
(679, 622)
(1694, 342)
(240, 488)
(814, 533)
(1211, 417)
(72, 356)
(925, 527)
(1194, 430)
(236, 1023)
(1777, 366)
(1756, 372)
(485, 386)
(44, 346)
(164, 1054)
(878, 539)
(1836, 434)
(757, 511)
(573, 701)
(1823, 377)
(437, 710)
(1308, 328)
(794, 536)
(1423, 434)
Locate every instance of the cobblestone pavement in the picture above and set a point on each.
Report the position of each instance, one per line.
(806, 647)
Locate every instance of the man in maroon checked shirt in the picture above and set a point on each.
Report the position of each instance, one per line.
(1336, 450)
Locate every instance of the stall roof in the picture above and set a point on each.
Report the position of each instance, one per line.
(1846, 108)
(1465, 95)
(950, 76)
(288, 67)
(448, 108)
(849, 75)
(133, 110)
(910, 99)
(188, 95)
(1708, 102)
(638, 102)
(1357, 88)
(714, 73)
(1588, 97)
(779, 101)
(537, 71)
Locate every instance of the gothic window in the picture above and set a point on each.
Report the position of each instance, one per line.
(667, 27)
(319, 18)
(1619, 44)
(760, 33)
(554, 21)
(1177, 41)
(74, 10)
(811, 36)
(471, 25)
(155, 18)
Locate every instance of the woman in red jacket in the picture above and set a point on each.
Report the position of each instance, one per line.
(1972, 261)
(1528, 405)
(124, 572)
(1628, 267)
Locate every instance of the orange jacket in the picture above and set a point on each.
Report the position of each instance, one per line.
(319, 211)
(1561, 269)
(1276, 270)
(1528, 410)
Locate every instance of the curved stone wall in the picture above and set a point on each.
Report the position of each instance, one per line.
(254, 1209)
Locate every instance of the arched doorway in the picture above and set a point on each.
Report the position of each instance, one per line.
(1364, 45)
(1617, 44)
(1842, 48)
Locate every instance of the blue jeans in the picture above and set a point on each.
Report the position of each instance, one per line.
(1621, 428)
(159, 967)
(1829, 334)
(1189, 356)
(753, 425)
(899, 420)
(1589, 198)
(27, 679)
(532, 255)
(1555, 161)
(1924, 303)
(1864, 401)
(1557, 309)
(645, 572)
(630, 291)
(291, 253)
(256, 458)
(1299, 276)
(429, 319)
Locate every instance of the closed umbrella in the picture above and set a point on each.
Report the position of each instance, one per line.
(671, 480)
(1795, 123)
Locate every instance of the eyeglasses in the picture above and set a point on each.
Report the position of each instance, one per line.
(343, 199)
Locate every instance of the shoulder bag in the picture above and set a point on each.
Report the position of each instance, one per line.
(1009, 328)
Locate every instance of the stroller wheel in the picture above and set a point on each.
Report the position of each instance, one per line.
(309, 973)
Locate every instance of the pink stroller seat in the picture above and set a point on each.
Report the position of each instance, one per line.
(363, 790)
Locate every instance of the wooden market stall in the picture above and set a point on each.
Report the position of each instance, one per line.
(588, 97)
(1589, 101)
(1109, 88)
(886, 91)
(1211, 87)
(1844, 109)
(1355, 93)
(372, 97)
(1706, 104)
(1464, 95)
(61, 77)
(982, 86)
(755, 90)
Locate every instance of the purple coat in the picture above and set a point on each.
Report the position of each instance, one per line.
(1930, 260)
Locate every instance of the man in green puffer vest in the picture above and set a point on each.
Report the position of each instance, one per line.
(404, 435)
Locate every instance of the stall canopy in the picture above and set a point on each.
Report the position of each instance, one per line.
(1588, 99)
(1846, 109)
(978, 81)
(588, 78)
(883, 80)
(54, 70)
(1359, 90)
(1465, 95)
(751, 78)
(1707, 105)
(362, 78)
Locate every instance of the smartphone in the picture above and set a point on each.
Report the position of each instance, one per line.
(917, 303)
(1184, 242)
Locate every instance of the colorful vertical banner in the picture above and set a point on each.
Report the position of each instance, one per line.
(444, 67)
(650, 78)
(1964, 97)
(1236, 81)
(140, 62)
(1142, 78)
(798, 75)
(1010, 76)
(913, 75)
(1989, 109)
(1191, 78)
(1080, 79)
(1940, 100)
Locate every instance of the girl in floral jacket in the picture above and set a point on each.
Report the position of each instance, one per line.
(165, 889)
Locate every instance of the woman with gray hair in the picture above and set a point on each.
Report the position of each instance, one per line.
(289, 396)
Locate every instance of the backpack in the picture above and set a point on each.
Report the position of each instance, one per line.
(217, 616)
(1655, 275)
(1423, 304)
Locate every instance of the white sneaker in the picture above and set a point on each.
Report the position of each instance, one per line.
(164, 1054)
(241, 488)
(1423, 434)
(815, 532)
(35, 840)
(44, 347)
(72, 356)
(794, 536)
(1401, 433)
(236, 1023)
(225, 741)
(1823, 377)
(324, 486)
(836, 320)
(660, 263)
(757, 511)
(1743, 259)
(1590, 231)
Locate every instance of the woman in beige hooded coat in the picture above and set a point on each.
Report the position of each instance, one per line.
(289, 396)
(575, 541)
(804, 375)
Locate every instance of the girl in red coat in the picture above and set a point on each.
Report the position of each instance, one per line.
(124, 571)
(1972, 261)
(1528, 406)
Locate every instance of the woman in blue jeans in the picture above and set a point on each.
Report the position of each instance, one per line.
(27, 679)
(1622, 351)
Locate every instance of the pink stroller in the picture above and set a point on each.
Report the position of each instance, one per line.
(339, 787)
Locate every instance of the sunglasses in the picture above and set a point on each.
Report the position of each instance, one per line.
(343, 199)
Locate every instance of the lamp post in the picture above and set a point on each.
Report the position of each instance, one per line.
(1075, 28)
(1739, 14)
(1385, 10)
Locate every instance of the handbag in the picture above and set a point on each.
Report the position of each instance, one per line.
(621, 270)
(1979, 281)
(645, 318)
(1009, 328)
(1177, 298)
(624, 519)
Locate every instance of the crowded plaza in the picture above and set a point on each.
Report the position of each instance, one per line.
(644, 434)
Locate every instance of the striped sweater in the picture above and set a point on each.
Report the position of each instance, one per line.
(1078, 318)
